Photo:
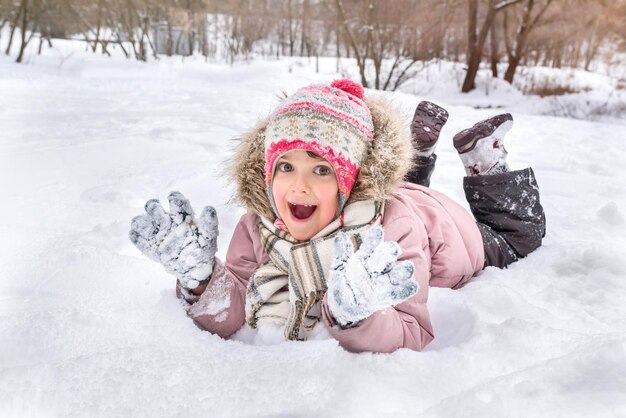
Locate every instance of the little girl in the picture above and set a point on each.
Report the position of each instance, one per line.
(334, 237)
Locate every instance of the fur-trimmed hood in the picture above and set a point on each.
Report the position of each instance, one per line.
(387, 163)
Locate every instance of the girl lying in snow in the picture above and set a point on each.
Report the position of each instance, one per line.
(334, 239)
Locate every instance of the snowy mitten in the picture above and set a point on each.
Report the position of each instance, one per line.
(185, 246)
(368, 280)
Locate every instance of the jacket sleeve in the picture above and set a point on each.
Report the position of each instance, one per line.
(221, 307)
(406, 325)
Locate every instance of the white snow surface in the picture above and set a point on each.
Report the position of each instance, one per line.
(91, 327)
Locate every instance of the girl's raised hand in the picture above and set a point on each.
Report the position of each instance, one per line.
(185, 246)
(370, 279)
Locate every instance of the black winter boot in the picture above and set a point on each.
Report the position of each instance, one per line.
(481, 147)
(425, 129)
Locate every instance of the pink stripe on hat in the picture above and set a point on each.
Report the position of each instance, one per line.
(346, 170)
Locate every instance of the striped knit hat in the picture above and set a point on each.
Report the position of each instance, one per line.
(332, 121)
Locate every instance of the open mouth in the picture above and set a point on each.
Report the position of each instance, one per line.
(301, 212)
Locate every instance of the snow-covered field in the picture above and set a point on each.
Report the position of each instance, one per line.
(90, 327)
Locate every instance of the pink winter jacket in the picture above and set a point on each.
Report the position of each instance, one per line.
(437, 234)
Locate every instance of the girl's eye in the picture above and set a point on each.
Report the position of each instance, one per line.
(285, 167)
(322, 170)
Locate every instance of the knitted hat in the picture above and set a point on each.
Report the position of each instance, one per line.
(332, 121)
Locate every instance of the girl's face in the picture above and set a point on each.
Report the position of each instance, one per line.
(305, 192)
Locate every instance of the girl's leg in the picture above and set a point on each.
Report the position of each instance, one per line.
(425, 129)
(505, 203)
(423, 169)
(508, 212)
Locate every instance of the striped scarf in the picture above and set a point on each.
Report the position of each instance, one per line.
(287, 290)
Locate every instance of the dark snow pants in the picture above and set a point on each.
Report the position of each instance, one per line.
(506, 207)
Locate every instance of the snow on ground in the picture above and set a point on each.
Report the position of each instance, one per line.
(90, 327)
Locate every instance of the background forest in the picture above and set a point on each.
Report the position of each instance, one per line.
(390, 40)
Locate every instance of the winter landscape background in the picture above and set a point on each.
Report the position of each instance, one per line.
(90, 327)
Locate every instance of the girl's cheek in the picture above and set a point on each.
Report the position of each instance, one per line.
(277, 192)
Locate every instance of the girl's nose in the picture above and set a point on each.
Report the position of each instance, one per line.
(300, 185)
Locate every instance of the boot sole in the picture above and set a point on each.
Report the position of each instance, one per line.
(427, 123)
(466, 140)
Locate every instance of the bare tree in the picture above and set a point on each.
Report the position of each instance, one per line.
(575, 34)
(382, 40)
(443, 21)
(476, 39)
(359, 52)
(494, 47)
(304, 28)
(12, 16)
(527, 22)
(4, 14)
(606, 20)
(28, 20)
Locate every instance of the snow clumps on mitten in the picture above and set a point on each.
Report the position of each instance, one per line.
(368, 280)
(185, 246)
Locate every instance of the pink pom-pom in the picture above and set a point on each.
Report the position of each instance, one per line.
(349, 86)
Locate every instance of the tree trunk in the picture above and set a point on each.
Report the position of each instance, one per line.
(355, 48)
(40, 47)
(511, 68)
(441, 30)
(476, 44)
(526, 26)
(304, 40)
(98, 27)
(593, 44)
(14, 22)
(369, 45)
(495, 53)
(292, 40)
(204, 35)
(25, 11)
(472, 24)
(338, 33)
(169, 45)
(472, 71)
(3, 22)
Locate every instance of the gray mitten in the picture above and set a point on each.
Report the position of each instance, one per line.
(185, 246)
(369, 280)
